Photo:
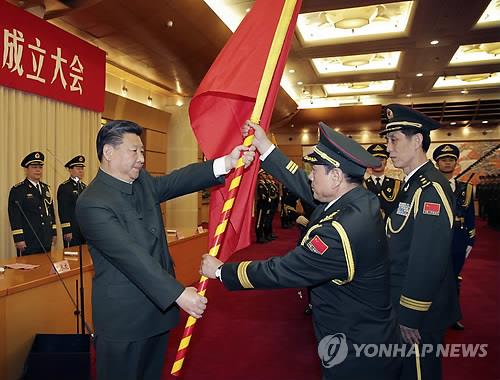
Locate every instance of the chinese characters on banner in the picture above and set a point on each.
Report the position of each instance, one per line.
(38, 57)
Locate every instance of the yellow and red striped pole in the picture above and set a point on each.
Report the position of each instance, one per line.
(265, 83)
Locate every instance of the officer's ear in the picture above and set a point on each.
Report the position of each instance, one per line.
(107, 151)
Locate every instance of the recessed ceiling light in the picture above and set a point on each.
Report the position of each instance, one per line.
(485, 122)
(434, 42)
(453, 123)
(291, 71)
(170, 23)
(420, 74)
(408, 95)
(300, 83)
(247, 10)
(464, 92)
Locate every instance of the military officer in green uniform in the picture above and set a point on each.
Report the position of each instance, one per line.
(419, 232)
(464, 228)
(386, 188)
(348, 277)
(67, 194)
(31, 209)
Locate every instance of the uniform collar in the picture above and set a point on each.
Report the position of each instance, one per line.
(34, 183)
(116, 183)
(374, 178)
(410, 174)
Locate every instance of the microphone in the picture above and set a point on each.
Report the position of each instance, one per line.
(89, 330)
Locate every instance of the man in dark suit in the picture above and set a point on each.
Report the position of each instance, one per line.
(31, 209)
(67, 194)
(419, 231)
(386, 188)
(464, 228)
(135, 296)
(349, 278)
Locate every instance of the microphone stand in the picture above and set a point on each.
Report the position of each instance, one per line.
(85, 326)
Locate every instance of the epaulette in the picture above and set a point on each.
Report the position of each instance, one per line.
(65, 182)
(18, 184)
(424, 182)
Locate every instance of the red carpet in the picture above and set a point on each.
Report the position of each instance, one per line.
(264, 335)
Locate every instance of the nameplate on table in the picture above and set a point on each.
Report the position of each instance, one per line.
(61, 267)
(21, 266)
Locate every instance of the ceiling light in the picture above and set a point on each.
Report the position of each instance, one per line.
(359, 85)
(352, 23)
(420, 74)
(375, 62)
(473, 77)
(485, 122)
(247, 10)
(408, 95)
(179, 103)
(434, 42)
(150, 100)
(300, 83)
(291, 71)
(453, 123)
(337, 129)
(305, 92)
(170, 23)
(465, 92)
(355, 62)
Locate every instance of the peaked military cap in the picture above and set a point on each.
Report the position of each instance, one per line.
(378, 150)
(446, 150)
(33, 158)
(402, 117)
(75, 161)
(338, 150)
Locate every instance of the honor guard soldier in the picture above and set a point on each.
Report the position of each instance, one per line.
(274, 195)
(31, 209)
(386, 188)
(464, 232)
(419, 232)
(263, 207)
(67, 194)
(349, 278)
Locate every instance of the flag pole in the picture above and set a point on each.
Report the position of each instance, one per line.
(265, 83)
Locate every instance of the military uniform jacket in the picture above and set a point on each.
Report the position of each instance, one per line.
(67, 194)
(387, 193)
(419, 232)
(134, 287)
(39, 209)
(348, 276)
(464, 231)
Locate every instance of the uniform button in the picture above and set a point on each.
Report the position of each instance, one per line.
(41, 215)
(43, 224)
(39, 207)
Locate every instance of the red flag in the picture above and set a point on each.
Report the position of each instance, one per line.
(225, 99)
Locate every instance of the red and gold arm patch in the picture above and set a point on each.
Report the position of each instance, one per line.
(317, 245)
(432, 208)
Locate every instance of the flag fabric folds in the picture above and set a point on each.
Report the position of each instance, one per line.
(225, 99)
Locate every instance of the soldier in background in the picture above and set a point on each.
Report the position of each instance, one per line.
(385, 188)
(288, 208)
(464, 231)
(67, 194)
(31, 209)
(273, 194)
(262, 207)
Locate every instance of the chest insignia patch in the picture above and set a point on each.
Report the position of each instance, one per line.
(317, 245)
(432, 208)
(403, 209)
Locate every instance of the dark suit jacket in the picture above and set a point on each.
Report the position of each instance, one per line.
(134, 287)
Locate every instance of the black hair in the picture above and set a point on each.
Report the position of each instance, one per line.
(426, 140)
(112, 133)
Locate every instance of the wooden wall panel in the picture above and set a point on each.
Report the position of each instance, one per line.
(156, 162)
(155, 141)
